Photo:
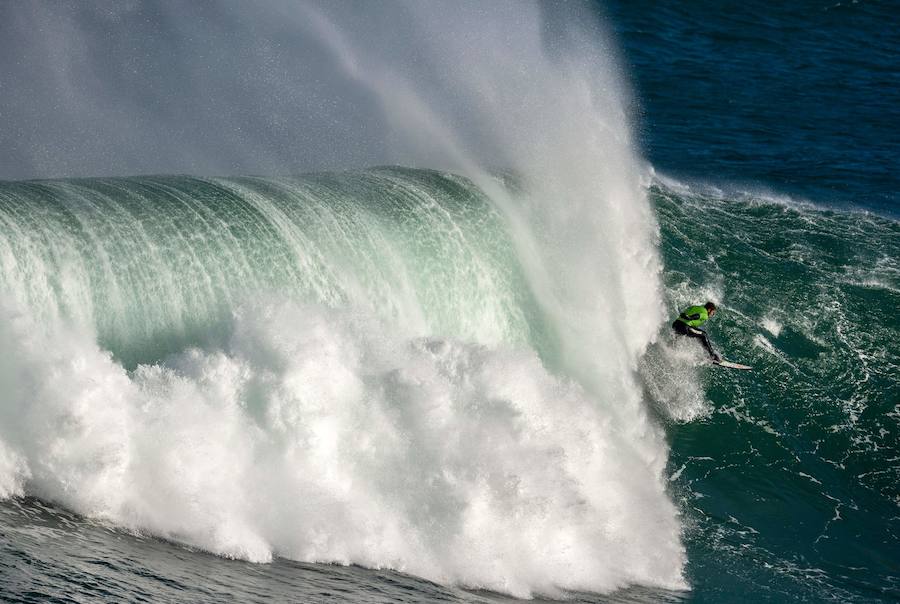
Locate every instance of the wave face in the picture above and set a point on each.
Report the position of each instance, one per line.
(789, 473)
(366, 368)
(157, 264)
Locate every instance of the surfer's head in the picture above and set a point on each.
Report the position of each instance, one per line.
(710, 308)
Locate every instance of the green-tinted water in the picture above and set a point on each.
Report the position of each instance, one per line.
(788, 475)
(784, 478)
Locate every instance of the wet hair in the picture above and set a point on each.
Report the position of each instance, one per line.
(709, 306)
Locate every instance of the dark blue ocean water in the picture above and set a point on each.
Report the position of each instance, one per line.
(802, 98)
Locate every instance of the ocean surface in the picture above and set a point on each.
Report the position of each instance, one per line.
(798, 99)
(451, 377)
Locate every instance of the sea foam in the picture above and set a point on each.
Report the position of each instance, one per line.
(318, 435)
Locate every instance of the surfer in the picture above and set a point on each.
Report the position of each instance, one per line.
(688, 324)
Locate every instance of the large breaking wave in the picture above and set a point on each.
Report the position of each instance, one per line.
(429, 371)
(354, 368)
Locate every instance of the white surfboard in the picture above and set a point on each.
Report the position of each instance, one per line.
(730, 365)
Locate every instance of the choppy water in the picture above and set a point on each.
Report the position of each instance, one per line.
(789, 474)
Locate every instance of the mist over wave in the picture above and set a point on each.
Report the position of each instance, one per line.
(461, 369)
(394, 368)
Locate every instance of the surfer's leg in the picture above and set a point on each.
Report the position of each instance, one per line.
(701, 335)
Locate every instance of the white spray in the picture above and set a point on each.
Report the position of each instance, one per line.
(329, 435)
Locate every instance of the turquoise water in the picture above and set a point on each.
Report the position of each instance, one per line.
(159, 263)
(194, 337)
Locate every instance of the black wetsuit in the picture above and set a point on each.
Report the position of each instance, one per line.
(682, 328)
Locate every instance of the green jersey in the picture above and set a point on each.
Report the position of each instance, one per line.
(694, 316)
